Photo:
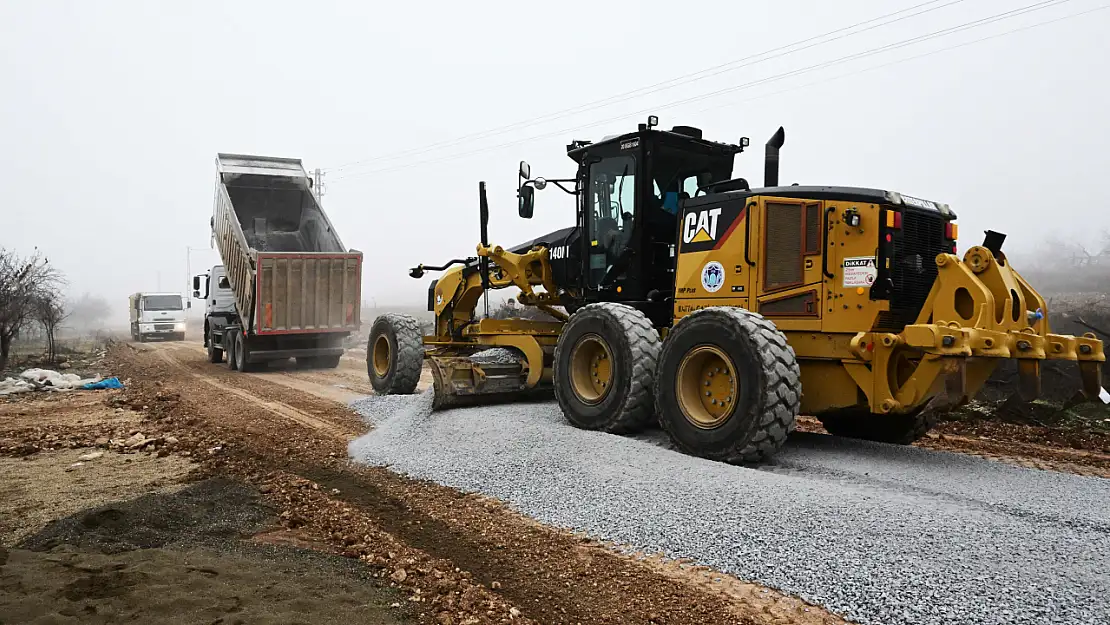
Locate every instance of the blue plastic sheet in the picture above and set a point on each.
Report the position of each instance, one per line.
(103, 384)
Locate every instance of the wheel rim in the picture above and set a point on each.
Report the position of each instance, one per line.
(591, 369)
(707, 387)
(381, 356)
(240, 357)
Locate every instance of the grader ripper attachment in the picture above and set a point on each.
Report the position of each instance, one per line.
(724, 311)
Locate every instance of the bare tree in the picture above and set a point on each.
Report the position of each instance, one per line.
(23, 281)
(50, 311)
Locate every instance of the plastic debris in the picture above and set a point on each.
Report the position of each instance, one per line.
(44, 380)
(103, 384)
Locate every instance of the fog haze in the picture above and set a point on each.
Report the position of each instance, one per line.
(112, 114)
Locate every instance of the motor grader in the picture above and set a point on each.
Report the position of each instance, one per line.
(684, 296)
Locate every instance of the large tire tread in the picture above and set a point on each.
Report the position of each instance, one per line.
(407, 354)
(780, 401)
(638, 409)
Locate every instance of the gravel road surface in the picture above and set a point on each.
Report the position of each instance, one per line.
(877, 533)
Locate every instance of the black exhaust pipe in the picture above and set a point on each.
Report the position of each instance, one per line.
(771, 161)
(993, 241)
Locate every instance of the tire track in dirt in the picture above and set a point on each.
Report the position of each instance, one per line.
(278, 408)
(343, 384)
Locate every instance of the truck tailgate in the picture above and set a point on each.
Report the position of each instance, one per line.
(308, 292)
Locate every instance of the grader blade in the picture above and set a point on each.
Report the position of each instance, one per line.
(472, 380)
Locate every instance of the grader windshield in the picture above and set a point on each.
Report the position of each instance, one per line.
(611, 210)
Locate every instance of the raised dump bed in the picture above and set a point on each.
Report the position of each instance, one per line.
(291, 289)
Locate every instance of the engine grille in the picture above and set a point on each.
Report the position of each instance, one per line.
(913, 267)
(163, 326)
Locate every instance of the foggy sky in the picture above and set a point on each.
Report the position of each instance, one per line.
(112, 112)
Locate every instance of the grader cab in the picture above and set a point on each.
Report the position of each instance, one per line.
(723, 312)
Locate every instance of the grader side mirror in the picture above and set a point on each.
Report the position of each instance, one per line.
(525, 170)
(526, 200)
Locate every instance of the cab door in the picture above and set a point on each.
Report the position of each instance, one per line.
(790, 239)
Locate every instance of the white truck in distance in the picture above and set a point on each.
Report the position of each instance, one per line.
(159, 315)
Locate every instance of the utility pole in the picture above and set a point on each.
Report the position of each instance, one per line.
(318, 183)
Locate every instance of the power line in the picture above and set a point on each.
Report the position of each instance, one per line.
(908, 58)
(774, 78)
(668, 84)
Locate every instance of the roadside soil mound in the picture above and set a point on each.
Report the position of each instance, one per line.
(181, 558)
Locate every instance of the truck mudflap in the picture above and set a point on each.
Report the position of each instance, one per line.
(979, 312)
(266, 355)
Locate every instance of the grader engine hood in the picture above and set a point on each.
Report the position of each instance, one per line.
(562, 246)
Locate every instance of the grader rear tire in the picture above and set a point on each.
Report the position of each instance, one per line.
(394, 354)
(605, 367)
(898, 429)
(729, 386)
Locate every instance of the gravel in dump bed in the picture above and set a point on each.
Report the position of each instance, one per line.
(877, 533)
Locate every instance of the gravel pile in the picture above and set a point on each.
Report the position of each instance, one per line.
(876, 533)
(496, 356)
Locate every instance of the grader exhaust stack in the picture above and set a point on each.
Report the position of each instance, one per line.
(771, 158)
(845, 303)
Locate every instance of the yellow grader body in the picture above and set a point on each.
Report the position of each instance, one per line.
(976, 314)
(847, 304)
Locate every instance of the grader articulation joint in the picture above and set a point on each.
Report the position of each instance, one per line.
(722, 312)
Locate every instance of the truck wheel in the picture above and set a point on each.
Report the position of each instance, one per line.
(327, 362)
(729, 386)
(899, 429)
(604, 368)
(230, 343)
(243, 354)
(215, 354)
(394, 354)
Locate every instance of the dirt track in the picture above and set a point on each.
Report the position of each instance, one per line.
(464, 557)
(456, 558)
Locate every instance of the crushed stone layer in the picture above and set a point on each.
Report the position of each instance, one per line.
(877, 533)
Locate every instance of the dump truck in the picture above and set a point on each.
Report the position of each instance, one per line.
(684, 296)
(159, 315)
(287, 287)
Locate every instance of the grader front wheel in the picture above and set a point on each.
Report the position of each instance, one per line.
(605, 367)
(728, 386)
(394, 354)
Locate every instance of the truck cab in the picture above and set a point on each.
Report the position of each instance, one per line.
(159, 315)
(219, 299)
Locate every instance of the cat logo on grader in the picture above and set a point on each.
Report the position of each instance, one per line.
(700, 226)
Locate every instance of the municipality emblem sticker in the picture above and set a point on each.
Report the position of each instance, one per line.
(713, 276)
